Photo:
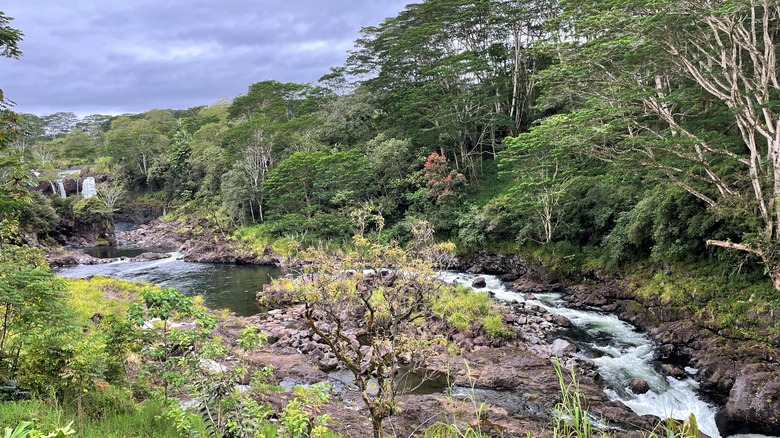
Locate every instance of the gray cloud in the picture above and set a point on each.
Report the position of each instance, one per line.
(91, 56)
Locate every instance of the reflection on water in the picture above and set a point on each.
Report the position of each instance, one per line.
(222, 286)
(111, 252)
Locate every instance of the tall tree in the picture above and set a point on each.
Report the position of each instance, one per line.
(455, 73)
(14, 176)
(135, 143)
(541, 165)
(686, 89)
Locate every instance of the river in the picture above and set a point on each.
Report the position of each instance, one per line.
(621, 354)
(222, 286)
(618, 350)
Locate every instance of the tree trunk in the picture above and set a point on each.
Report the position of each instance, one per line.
(376, 424)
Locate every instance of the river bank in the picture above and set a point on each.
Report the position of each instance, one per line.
(722, 365)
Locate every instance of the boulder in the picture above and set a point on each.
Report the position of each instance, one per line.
(479, 282)
(562, 347)
(148, 256)
(639, 386)
(328, 362)
(754, 402)
(673, 371)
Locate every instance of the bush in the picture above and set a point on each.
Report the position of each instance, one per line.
(107, 401)
(461, 307)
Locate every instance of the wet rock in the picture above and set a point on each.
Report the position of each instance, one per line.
(673, 370)
(754, 402)
(561, 321)
(527, 285)
(562, 347)
(70, 257)
(639, 386)
(481, 261)
(479, 282)
(147, 256)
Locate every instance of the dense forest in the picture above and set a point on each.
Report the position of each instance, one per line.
(600, 139)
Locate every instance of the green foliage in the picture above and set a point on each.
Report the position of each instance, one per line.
(89, 210)
(299, 418)
(739, 305)
(34, 314)
(385, 293)
(462, 308)
(667, 224)
(24, 430)
(139, 422)
(102, 295)
(15, 177)
(39, 217)
(166, 365)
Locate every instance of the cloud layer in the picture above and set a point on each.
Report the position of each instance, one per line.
(90, 56)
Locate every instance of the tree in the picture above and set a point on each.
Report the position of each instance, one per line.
(686, 89)
(42, 153)
(31, 302)
(59, 124)
(456, 73)
(135, 143)
(541, 167)
(367, 314)
(14, 176)
(31, 130)
(109, 195)
(9, 47)
(207, 161)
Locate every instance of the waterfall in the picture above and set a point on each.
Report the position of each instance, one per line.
(88, 189)
(62, 189)
(53, 189)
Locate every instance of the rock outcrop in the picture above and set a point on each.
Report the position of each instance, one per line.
(196, 241)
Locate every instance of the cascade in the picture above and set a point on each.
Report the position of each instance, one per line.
(62, 189)
(53, 189)
(88, 189)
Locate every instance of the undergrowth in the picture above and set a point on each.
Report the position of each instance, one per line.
(461, 307)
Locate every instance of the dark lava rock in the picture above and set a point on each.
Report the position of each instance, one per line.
(561, 347)
(479, 282)
(328, 362)
(754, 402)
(148, 256)
(673, 371)
(639, 386)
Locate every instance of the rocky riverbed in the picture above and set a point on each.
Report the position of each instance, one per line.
(742, 377)
(515, 378)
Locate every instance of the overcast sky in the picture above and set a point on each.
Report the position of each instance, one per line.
(117, 56)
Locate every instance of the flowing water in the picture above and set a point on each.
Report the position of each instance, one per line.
(621, 354)
(222, 286)
(619, 351)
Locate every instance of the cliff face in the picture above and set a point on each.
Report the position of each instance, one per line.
(86, 225)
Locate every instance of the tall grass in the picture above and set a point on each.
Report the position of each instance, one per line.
(572, 420)
(461, 307)
(142, 421)
(570, 417)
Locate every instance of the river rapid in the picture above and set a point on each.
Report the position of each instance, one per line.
(621, 354)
